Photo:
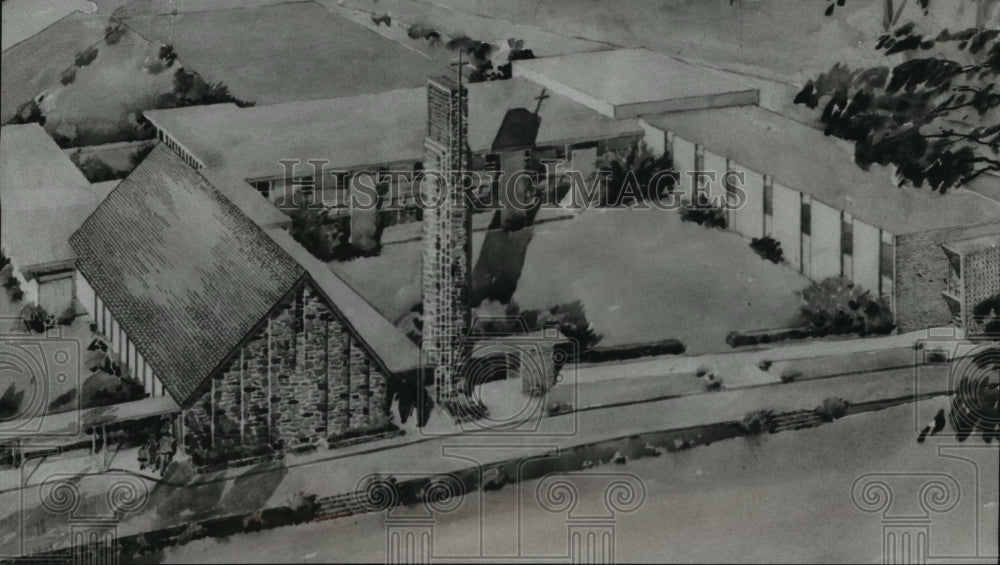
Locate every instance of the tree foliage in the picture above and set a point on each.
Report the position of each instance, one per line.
(635, 176)
(837, 306)
(934, 117)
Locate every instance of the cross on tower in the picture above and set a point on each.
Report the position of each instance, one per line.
(541, 97)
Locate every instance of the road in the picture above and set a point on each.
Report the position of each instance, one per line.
(784, 497)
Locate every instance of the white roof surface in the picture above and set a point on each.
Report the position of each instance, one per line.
(629, 82)
(366, 131)
(804, 159)
(44, 198)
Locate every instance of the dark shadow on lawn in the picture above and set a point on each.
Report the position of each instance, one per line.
(501, 261)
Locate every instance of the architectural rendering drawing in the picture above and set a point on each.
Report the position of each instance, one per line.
(469, 281)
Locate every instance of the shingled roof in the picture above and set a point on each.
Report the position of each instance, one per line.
(186, 275)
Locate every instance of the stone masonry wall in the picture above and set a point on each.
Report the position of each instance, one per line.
(921, 275)
(299, 380)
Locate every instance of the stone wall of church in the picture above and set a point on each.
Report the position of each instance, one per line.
(300, 379)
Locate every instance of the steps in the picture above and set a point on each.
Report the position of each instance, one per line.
(341, 505)
(795, 420)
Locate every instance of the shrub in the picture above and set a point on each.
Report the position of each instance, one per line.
(68, 76)
(167, 55)
(832, 408)
(114, 34)
(13, 288)
(571, 318)
(790, 375)
(768, 248)
(36, 319)
(713, 383)
(708, 216)
(86, 57)
(308, 229)
(356, 433)
(757, 421)
(190, 89)
(221, 455)
(423, 32)
(632, 351)
(97, 170)
(837, 306)
(29, 113)
(637, 177)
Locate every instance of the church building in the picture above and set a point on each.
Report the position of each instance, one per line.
(260, 345)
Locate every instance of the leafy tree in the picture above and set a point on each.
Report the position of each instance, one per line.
(308, 229)
(837, 305)
(635, 176)
(935, 117)
(28, 113)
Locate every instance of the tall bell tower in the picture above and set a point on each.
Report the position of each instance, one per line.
(447, 229)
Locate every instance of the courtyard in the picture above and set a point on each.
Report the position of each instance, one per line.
(641, 275)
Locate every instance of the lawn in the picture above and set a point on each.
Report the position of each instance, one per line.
(90, 104)
(287, 52)
(34, 65)
(24, 18)
(641, 276)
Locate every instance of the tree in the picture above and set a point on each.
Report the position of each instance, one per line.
(935, 117)
(307, 228)
(891, 12)
(635, 176)
(837, 305)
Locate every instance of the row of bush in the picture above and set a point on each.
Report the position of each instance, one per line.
(704, 215)
(632, 351)
(834, 306)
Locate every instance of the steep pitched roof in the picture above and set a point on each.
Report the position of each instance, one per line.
(186, 275)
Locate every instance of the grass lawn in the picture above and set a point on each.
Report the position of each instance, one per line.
(642, 275)
(287, 52)
(24, 18)
(105, 92)
(96, 105)
(34, 65)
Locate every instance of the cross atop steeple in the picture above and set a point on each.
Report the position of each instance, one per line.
(541, 97)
